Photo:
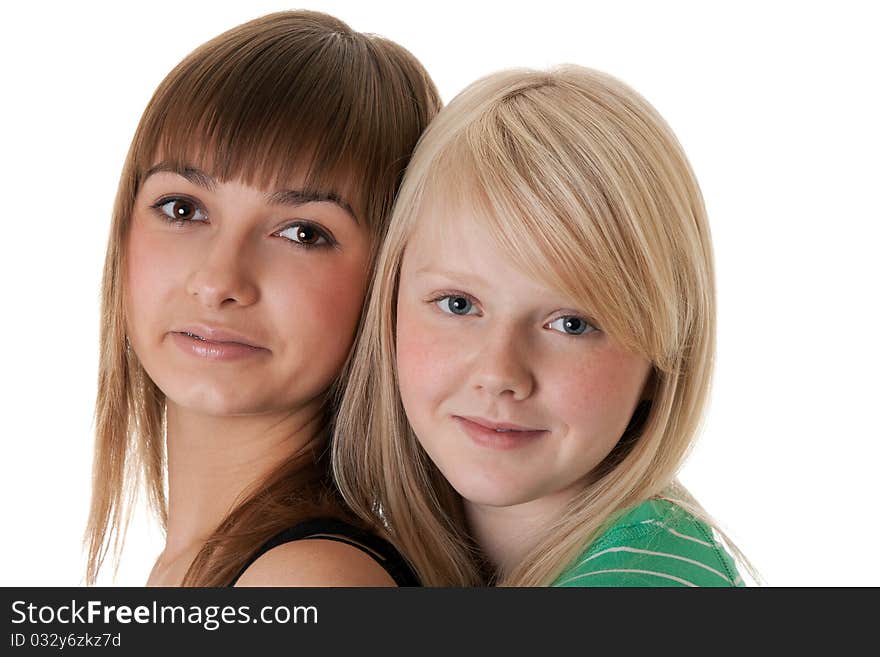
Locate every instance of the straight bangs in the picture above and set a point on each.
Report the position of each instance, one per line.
(270, 102)
(544, 201)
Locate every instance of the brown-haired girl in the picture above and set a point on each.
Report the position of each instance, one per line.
(254, 195)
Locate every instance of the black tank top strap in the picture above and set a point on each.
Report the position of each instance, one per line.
(331, 529)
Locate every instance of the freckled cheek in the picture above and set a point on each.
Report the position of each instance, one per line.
(427, 363)
(598, 398)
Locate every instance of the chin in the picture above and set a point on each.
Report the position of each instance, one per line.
(480, 489)
(214, 400)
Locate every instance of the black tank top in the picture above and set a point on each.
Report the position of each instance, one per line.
(332, 529)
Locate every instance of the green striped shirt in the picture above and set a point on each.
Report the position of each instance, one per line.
(653, 544)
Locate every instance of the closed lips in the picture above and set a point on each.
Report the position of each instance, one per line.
(218, 336)
(498, 427)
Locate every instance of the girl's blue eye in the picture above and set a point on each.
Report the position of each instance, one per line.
(571, 325)
(455, 305)
(181, 209)
(305, 234)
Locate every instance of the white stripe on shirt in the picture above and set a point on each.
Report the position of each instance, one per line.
(655, 554)
(630, 570)
(675, 533)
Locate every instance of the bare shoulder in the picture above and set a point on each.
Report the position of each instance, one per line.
(315, 562)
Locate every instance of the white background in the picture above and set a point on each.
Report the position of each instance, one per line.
(775, 104)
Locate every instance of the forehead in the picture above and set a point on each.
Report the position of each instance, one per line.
(448, 227)
(452, 238)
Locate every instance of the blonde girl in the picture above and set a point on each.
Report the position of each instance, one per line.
(538, 348)
(251, 204)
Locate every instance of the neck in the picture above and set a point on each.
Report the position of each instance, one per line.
(506, 534)
(213, 461)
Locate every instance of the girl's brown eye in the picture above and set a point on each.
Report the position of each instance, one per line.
(306, 234)
(180, 210)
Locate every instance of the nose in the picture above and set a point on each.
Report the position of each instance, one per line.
(503, 367)
(223, 277)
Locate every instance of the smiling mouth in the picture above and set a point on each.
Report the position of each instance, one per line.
(193, 335)
(499, 437)
(497, 427)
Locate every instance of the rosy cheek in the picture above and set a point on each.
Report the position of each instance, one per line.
(151, 268)
(325, 301)
(424, 360)
(346, 289)
(600, 396)
(581, 405)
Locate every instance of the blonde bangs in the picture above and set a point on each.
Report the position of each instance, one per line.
(562, 227)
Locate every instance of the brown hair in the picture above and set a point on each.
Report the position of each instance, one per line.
(290, 93)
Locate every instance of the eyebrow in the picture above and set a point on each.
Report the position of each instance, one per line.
(192, 174)
(297, 197)
(289, 197)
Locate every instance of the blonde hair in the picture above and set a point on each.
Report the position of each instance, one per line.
(583, 185)
(260, 102)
